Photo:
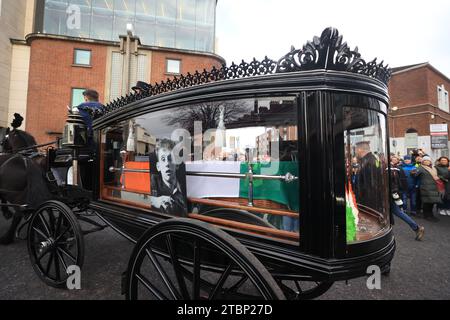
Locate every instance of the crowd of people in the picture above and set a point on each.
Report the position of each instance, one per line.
(421, 186)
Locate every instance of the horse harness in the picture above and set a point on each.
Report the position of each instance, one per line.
(24, 157)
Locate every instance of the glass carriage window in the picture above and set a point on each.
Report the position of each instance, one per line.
(230, 162)
(367, 184)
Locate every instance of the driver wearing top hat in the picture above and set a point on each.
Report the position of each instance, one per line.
(140, 87)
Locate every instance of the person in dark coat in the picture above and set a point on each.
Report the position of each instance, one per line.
(369, 177)
(442, 167)
(429, 193)
(398, 186)
(418, 162)
(411, 191)
(90, 103)
(402, 183)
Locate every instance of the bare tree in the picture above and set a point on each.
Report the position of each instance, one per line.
(208, 113)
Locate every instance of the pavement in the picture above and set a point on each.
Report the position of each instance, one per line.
(420, 270)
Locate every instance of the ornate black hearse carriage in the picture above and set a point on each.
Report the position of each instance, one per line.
(259, 180)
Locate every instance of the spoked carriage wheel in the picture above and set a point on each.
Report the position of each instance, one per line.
(55, 242)
(184, 259)
(303, 290)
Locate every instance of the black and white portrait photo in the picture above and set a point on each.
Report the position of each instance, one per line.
(168, 181)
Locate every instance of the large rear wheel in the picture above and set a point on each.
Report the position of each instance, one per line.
(184, 259)
(303, 290)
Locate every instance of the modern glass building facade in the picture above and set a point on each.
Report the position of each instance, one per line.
(181, 24)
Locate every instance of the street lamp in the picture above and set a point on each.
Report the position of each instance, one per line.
(394, 142)
(129, 46)
(130, 29)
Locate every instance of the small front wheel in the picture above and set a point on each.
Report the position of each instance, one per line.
(55, 242)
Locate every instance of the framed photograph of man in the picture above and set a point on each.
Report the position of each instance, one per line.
(168, 181)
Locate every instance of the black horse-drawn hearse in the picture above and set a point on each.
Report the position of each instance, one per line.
(259, 180)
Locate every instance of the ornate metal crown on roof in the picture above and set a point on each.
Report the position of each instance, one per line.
(329, 53)
(326, 52)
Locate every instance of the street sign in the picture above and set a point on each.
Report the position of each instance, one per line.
(439, 142)
(439, 136)
(438, 129)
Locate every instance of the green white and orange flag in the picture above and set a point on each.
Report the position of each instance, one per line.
(351, 213)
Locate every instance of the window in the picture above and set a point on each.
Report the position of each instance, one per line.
(165, 35)
(163, 153)
(124, 13)
(185, 24)
(102, 19)
(82, 57)
(138, 72)
(145, 26)
(367, 212)
(411, 140)
(78, 18)
(77, 97)
(446, 101)
(173, 66)
(443, 102)
(55, 17)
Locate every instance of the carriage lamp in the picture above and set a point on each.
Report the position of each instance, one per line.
(75, 132)
(75, 137)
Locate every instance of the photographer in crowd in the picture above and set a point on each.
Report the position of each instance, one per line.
(399, 184)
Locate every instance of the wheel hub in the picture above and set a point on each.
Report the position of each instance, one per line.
(46, 245)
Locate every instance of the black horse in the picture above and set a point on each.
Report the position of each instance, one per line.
(22, 179)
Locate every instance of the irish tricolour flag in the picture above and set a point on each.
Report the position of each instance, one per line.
(351, 213)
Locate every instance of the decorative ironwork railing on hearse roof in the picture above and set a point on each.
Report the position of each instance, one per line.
(327, 52)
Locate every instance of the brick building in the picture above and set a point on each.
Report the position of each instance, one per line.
(16, 20)
(109, 45)
(419, 103)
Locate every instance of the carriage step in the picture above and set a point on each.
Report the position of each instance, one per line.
(20, 206)
(97, 229)
(91, 222)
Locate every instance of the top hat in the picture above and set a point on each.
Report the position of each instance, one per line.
(141, 85)
(17, 122)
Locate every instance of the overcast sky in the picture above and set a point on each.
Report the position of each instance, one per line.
(400, 32)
